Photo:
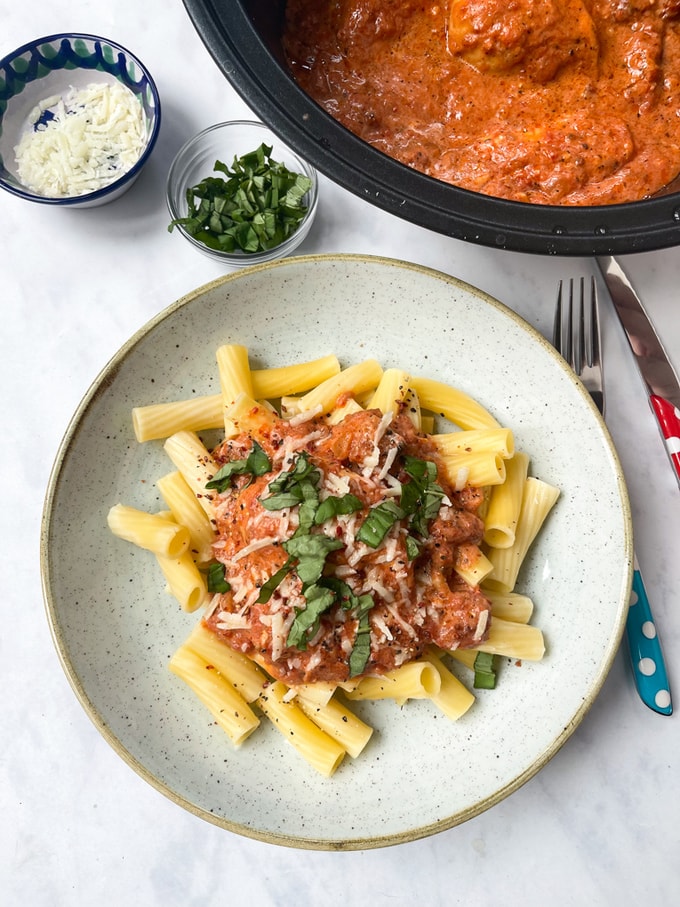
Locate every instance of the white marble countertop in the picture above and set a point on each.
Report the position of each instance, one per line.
(599, 825)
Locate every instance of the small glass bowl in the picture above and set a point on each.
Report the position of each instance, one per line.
(225, 141)
(51, 66)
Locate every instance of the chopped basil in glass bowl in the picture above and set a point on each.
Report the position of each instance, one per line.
(239, 195)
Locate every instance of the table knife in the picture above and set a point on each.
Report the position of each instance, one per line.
(661, 380)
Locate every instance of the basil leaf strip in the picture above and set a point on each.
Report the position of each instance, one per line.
(485, 671)
(378, 523)
(257, 463)
(422, 496)
(306, 622)
(215, 579)
(274, 582)
(336, 506)
(308, 508)
(311, 552)
(361, 650)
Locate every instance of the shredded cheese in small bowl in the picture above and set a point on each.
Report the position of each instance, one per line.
(79, 117)
(81, 142)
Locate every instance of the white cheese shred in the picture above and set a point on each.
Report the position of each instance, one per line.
(81, 142)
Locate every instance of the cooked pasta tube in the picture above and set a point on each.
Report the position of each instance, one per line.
(247, 415)
(502, 512)
(390, 392)
(415, 680)
(453, 698)
(185, 582)
(186, 511)
(190, 457)
(507, 637)
(457, 406)
(235, 379)
(499, 441)
(159, 420)
(320, 750)
(336, 720)
(471, 564)
(355, 380)
(228, 708)
(510, 606)
(538, 498)
(476, 468)
(426, 423)
(286, 380)
(148, 530)
(464, 656)
(242, 673)
(338, 414)
(317, 693)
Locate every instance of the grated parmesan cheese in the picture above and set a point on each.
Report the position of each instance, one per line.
(82, 142)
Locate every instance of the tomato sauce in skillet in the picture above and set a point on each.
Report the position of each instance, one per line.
(416, 599)
(564, 102)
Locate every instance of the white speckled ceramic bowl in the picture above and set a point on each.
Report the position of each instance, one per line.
(115, 628)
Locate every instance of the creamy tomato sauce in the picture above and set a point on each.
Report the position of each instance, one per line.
(568, 102)
(414, 600)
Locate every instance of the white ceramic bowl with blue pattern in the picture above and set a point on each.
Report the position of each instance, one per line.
(54, 66)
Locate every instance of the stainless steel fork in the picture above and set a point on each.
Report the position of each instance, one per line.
(576, 335)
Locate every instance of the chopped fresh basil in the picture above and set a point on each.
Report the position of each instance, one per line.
(361, 650)
(421, 498)
(215, 579)
(298, 485)
(335, 506)
(256, 205)
(379, 521)
(311, 552)
(306, 623)
(485, 671)
(412, 548)
(257, 463)
(274, 582)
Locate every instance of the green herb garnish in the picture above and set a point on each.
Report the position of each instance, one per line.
(311, 552)
(336, 506)
(256, 205)
(215, 579)
(378, 523)
(274, 581)
(485, 671)
(257, 463)
(306, 621)
(361, 650)
(421, 498)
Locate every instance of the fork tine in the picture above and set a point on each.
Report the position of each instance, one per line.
(562, 339)
(557, 323)
(594, 346)
(579, 328)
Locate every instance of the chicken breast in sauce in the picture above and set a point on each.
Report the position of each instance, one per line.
(569, 102)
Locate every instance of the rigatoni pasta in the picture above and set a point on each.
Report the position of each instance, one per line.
(328, 538)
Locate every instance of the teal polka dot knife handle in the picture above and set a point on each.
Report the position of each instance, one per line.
(646, 656)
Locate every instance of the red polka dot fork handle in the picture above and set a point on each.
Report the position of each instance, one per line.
(661, 380)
